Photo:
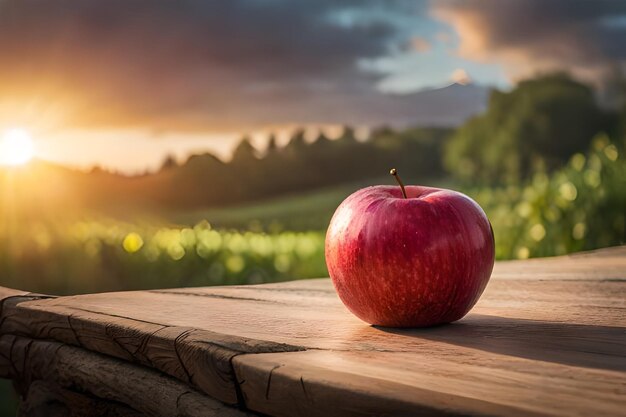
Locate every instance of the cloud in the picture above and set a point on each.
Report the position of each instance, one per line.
(210, 65)
(528, 36)
(186, 64)
(420, 44)
(443, 37)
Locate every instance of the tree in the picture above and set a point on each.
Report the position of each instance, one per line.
(541, 123)
(272, 144)
(297, 143)
(348, 137)
(244, 152)
(169, 162)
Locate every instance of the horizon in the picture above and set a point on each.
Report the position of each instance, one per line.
(83, 150)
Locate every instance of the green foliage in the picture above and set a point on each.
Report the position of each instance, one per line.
(579, 207)
(106, 255)
(539, 124)
(298, 212)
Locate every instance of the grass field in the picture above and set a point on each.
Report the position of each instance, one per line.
(304, 211)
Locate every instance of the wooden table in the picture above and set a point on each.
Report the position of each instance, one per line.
(548, 337)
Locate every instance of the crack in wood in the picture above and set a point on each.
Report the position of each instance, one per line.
(306, 395)
(178, 340)
(241, 399)
(26, 354)
(115, 315)
(220, 296)
(144, 346)
(262, 345)
(285, 289)
(111, 337)
(11, 355)
(594, 281)
(269, 381)
(179, 397)
(71, 326)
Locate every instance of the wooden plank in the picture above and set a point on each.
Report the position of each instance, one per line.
(547, 338)
(198, 357)
(9, 292)
(9, 295)
(575, 267)
(45, 398)
(452, 382)
(143, 389)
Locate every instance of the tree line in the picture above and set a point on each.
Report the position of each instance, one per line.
(537, 126)
(302, 165)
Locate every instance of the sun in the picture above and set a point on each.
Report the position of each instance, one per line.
(16, 147)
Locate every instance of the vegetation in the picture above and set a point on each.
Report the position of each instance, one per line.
(206, 181)
(537, 126)
(98, 231)
(580, 206)
(302, 166)
(107, 255)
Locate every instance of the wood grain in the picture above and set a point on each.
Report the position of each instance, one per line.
(198, 357)
(47, 399)
(142, 389)
(442, 381)
(548, 337)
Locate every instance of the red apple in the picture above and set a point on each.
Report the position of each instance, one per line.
(409, 262)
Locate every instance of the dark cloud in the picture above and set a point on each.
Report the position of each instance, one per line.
(183, 64)
(242, 64)
(525, 36)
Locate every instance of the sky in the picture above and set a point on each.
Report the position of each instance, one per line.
(122, 83)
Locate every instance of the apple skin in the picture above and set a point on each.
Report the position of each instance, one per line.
(414, 262)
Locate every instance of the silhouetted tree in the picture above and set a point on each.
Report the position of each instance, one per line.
(169, 162)
(272, 144)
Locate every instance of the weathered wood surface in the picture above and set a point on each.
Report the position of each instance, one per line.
(548, 337)
(47, 399)
(60, 370)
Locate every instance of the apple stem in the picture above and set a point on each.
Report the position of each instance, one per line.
(394, 172)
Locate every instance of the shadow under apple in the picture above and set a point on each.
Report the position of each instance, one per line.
(563, 343)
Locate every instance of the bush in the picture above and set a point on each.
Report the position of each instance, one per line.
(581, 206)
(538, 125)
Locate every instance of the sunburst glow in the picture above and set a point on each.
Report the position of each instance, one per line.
(16, 147)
